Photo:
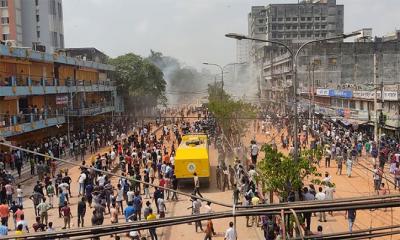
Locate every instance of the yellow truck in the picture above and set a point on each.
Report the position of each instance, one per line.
(192, 156)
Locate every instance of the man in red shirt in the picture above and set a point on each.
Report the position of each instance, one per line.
(4, 212)
(66, 212)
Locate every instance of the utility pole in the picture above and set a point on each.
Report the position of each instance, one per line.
(376, 137)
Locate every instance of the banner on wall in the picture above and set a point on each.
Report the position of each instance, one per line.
(61, 99)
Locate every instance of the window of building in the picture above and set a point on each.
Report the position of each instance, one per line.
(316, 26)
(54, 39)
(274, 19)
(303, 19)
(280, 19)
(309, 19)
(273, 35)
(260, 20)
(309, 34)
(5, 37)
(288, 35)
(260, 29)
(38, 34)
(332, 61)
(302, 26)
(279, 35)
(37, 2)
(323, 34)
(302, 35)
(287, 19)
(294, 19)
(294, 35)
(339, 12)
(323, 26)
(3, 3)
(280, 27)
(287, 26)
(361, 105)
(61, 41)
(309, 26)
(323, 18)
(5, 20)
(52, 7)
(37, 18)
(316, 34)
(273, 27)
(316, 18)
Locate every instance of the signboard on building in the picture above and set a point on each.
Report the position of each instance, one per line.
(340, 93)
(387, 95)
(322, 92)
(334, 93)
(61, 99)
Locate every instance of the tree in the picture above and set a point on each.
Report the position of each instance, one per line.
(231, 115)
(140, 82)
(281, 174)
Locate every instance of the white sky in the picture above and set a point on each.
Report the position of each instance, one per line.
(190, 30)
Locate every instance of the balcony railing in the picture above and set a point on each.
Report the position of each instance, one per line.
(93, 109)
(25, 81)
(7, 120)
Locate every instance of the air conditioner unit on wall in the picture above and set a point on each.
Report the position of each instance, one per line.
(10, 43)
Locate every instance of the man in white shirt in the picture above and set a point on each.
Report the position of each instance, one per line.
(101, 179)
(320, 196)
(81, 182)
(230, 233)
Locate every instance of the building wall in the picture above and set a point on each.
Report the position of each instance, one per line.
(304, 21)
(43, 23)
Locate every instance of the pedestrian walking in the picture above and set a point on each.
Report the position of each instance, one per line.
(351, 217)
(152, 230)
(196, 181)
(81, 212)
(218, 174)
(230, 233)
(66, 213)
(320, 196)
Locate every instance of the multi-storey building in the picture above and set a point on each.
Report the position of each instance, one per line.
(35, 23)
(303, 21)
(242, 51)
(40, 92)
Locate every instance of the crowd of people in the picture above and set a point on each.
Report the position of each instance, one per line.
(144, 162)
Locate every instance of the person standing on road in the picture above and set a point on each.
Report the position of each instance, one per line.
(218, 174)
(4, 212)
(66, 213)
(351, 217)
(174, 183)
(230, 233)
(225, 179)
(50, 193)
(349, 166)
(307, 196)
(196, 185)
(152, 231)
(43, 209)
(320, 196)
(81, 211)
(254, 152)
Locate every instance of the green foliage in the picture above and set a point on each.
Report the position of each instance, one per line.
(139, 79)
(280, 173)
(232, 115)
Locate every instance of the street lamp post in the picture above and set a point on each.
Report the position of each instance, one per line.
(222, 72)
(293, 56)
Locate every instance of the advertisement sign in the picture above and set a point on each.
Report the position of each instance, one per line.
(61, 99)
(322, 92)
(387, 95)
(340, 93)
